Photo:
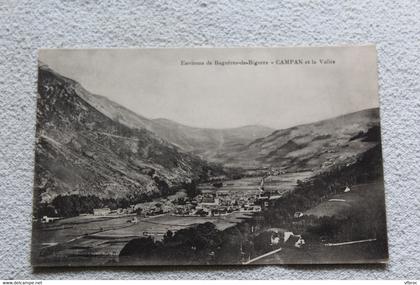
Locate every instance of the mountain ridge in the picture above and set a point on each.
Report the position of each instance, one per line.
(204, 142)
(80, 150)
(310, 146)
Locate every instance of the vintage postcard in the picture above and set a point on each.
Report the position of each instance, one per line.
(208, 156)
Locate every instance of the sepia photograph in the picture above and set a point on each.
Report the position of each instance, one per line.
(208, 156)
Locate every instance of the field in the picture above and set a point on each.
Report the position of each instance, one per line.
(70, 240)
(281, 183)
(365, 200)
(345, 204)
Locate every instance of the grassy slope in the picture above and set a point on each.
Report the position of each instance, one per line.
(310, 146)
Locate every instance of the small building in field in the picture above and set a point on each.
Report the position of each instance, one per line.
(46, 219)
(256, 209)
(292, 240)
(281, 237)
(101, 211)
(298, 215)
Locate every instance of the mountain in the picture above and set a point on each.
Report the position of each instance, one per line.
(205, 142)
(311, 146)
(83, 151)
(87, 144)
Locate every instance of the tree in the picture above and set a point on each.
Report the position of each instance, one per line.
(141, 247)
(191, 189)
(139, 211)
(168, 236)
(230, 247)
(45, 210)
(218, 184)
(162, 186)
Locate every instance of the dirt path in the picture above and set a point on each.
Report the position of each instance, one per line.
(262, 256)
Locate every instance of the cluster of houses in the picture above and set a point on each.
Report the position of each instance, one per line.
(209, 203)
(217, 204)
(144, 210)
(266, 171)
(109, 212)
(221, 203)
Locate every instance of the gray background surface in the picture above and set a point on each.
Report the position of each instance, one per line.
(393, 25)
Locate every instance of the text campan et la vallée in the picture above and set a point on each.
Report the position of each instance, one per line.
(251, 62)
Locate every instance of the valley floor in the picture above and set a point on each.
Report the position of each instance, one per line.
(98, 240)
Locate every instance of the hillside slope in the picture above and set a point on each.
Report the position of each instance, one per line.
(79, 150)
(311, 146)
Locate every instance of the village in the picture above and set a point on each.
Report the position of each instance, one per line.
(220, 197)
(217, 199)
(209, 203)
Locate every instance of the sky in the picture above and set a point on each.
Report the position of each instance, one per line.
(153, 83)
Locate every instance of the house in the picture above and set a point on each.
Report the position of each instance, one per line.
(199, 198)
(298, 215)
(101, 211)
(256, 209)
(121, 211)
(209, 201)
(46, 219)
(275, 239)
(292, 240)
(223, 193)
(267, 200)
(280, 237)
